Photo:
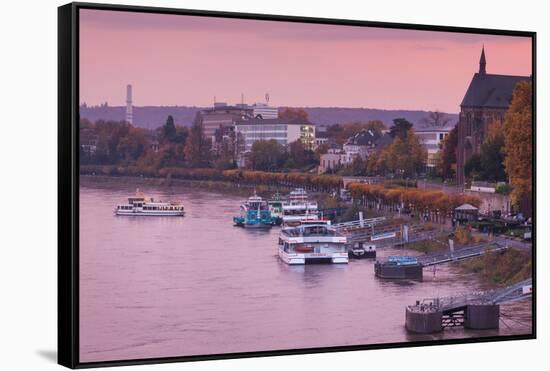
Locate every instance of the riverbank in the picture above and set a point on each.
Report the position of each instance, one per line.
(500, 269)
(493, 270)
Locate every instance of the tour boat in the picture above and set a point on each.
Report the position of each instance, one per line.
(312, 242)
(254, 214)
(139, 205)
(299, 209)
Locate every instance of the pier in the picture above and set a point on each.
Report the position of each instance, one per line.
(384, 233)
(476, 310)
(397, 267)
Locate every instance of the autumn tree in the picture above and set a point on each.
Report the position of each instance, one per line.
(518, 143)
(446, 165)
(197, 147)
(400, 128)
(132, 146)
(405, 156)
(289, 113)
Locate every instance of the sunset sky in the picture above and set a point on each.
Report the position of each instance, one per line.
(187, 60)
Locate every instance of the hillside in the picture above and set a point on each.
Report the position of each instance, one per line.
(154, 116)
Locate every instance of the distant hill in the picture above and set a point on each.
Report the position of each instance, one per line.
(154, 116)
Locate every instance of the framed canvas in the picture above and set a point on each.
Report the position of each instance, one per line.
(242, 185)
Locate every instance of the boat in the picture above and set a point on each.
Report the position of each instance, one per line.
(299, 208)
(362, 250)
(276, 208)
(255, 213)
(139, 205)
(314, 241)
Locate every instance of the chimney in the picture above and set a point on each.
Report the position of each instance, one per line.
(129, 113)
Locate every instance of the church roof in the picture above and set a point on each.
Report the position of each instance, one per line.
(487, 90)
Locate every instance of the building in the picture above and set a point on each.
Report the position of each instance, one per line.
(222, 115)
(431, 139)
(365, 142)
(263, 111)
(88, 141)
(284, 131)
(332, 160)
(486, 100)
(362, 145)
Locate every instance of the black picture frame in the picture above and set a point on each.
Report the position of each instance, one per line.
(68, 183)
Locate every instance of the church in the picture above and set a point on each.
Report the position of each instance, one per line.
(487, 99)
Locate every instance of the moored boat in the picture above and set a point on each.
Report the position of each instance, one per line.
(299, 208)
(362, 250)
(255, 213)
(276, 208)
(139, 205)
(312, 242)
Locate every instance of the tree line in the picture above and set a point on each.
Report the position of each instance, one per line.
(438, 205)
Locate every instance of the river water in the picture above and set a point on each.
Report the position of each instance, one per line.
(169, 286)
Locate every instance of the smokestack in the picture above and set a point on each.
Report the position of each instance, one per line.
(129, 113)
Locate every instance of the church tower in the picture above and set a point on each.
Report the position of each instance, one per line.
(482, 62)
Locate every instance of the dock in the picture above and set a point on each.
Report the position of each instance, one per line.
(412, 267)
(475, 310)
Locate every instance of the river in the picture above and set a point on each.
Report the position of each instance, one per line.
(176, 286)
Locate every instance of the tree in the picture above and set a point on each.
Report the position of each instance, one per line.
(197, 147)
(299, 156)
(182, 132)
(446, 165)
(518, 145)
(358, 167)
(473, 168)
(435, 119)
(321, 149)
(405, 156)
(169, 130)
(132, 146)
(289, 113)
(492, 155)
(400, 128)
(267, 155)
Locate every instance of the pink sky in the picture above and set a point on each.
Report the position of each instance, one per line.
(187, 60)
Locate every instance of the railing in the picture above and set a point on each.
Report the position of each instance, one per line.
(518, 291)
(463, 253)
(360, 223)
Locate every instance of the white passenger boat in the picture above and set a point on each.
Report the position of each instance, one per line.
(299, 208)
(312, 242)
(139, 205)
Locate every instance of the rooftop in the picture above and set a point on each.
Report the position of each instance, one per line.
(277, 121)
(493, 91)
(371, 138)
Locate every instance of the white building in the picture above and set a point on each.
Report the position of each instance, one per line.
(432, 139)
(284, 131)
(263, 111)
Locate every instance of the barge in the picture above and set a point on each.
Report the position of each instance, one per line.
(398, 267)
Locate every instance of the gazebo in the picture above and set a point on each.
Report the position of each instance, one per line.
(466, 213)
